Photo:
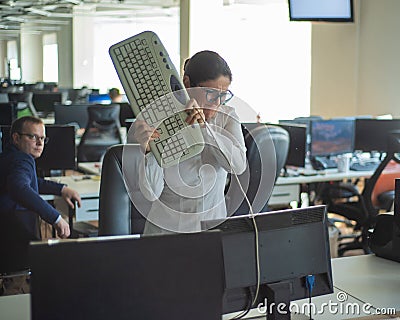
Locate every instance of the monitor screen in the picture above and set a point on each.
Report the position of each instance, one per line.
(331, 137)
(44, 101)
(8, 113)
(372, 134)
(297, 145)
(177, 276)
(99, 98)
(53, 157)
(321, 10)
(73, 114)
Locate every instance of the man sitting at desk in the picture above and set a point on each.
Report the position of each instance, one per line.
(20, 202)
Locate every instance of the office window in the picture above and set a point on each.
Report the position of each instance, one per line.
(163, 21)
(270, 57)
(13, 70)
(50, 58)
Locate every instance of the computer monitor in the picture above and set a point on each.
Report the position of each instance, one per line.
(177, 276)
(99, 98)
(44, 101)
(73, 114)
(8, 113)
(372, 134)
(298, 144)
(331, 137)
(53, 157)
(292, 244)
(317, 10)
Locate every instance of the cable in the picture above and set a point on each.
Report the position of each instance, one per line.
(252, 217)
(310, 281)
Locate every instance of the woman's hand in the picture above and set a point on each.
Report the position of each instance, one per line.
(194, 113)
(143, 134)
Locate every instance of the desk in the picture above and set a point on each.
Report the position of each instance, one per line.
(287, 189)
(89, 191)
(358, 281)
(365, 279)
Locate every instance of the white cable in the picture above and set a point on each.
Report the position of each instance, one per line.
(252, 216)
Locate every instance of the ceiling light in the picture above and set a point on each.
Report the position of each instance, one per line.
(39, 11)
(16, 19)
(74, 1)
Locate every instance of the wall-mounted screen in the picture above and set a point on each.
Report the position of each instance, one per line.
(321, 10)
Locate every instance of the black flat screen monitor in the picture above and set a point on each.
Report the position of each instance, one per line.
(321, 10)
(73, 114)
(372, 134)
(176, 277)
(44, 101)
(298, 144)
(331, 137)
(58, 153)
(292, 245)
(8, 113)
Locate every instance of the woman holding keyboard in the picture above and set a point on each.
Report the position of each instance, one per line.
(183, 195)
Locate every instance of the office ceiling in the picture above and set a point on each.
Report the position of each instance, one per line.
(38, 16)
(48, 15)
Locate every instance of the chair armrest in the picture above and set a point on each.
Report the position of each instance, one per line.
(343, 190)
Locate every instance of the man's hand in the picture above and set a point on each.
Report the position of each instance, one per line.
(62, 229)
(69, 195)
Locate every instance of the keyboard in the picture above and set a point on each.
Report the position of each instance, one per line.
(157, 96)
(364, 166)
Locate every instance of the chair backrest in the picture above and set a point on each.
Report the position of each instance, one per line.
(391, 155)
(24, 97)
(101, 132)
(267, 149)
(117, 214)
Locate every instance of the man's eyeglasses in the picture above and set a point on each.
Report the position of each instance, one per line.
(221, 97)
(34, 137)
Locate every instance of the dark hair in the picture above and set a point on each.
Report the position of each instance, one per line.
(113, 92)
(18, 124)
(206, 65)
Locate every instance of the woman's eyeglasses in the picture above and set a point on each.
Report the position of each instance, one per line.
(217, 96)
(34, 137)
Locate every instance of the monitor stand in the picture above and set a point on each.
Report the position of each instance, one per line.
(277, 301)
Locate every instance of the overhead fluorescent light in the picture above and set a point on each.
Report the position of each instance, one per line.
(74, 1)
(47, 21)
(16, 19)
(39, 11)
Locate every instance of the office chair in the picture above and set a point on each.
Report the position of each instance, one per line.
(117, 214)
(345, 200)
(101, 132)
(267, 149)
(24, 97)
